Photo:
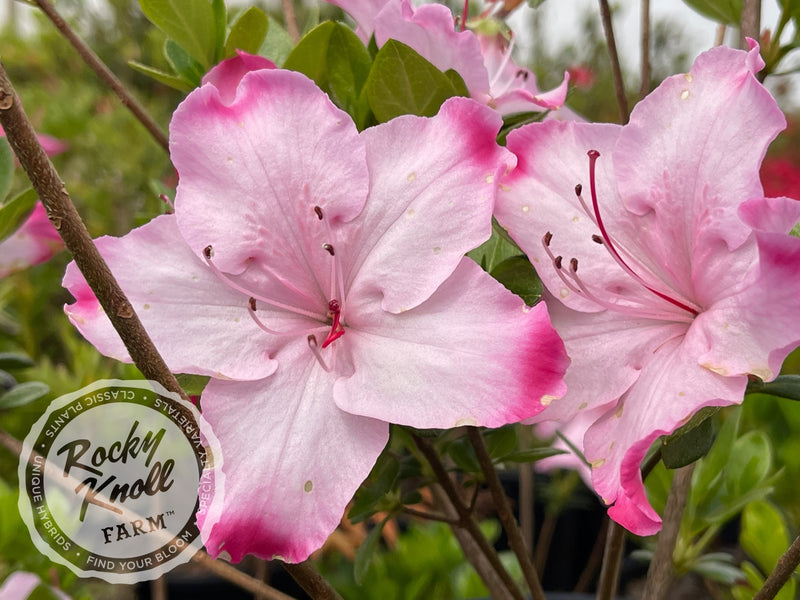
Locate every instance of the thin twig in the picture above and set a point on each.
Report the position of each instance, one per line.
(311, 581)
(751, 22)
(429, 516)
(662, 570)
(105, 74)
(527, 519)
(612, 559)
(218, 567)
(644, 88)
(290, 17)
(783, 571)
(467, 519)
(545, 541)
(506, 516)
(68, 223)
(719, 38)
(619, 86)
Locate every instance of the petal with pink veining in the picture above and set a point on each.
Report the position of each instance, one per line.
(292, 461)
(226, 75)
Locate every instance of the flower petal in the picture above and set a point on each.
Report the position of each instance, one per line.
(198, 324)
(433, 184)
(290, 466)
(671, 388)
(363, 13)
(686, 161)
(250, 184)
(35, 242)
(472, 354)
(226, 75)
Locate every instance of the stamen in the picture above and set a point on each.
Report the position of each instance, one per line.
(597, 239)
(251, 309)
(318, 212)
(312, 343)
(337, 331)
(593, 156)
(329, 249)
(465, 16)
(208, 254)
(501, 68)
(166, 199)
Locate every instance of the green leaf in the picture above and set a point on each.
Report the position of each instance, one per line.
(184, 65)
(749, 463)
(380, 482)
(14, 212)
(278, 44)
(518, 276)
(728, 12)
(531, 455)
(248, 32)
(220, 14)
(500, 442)
(22, 394)
(333, 56)
(495, 250)
(764, 535)
(401, 82)
(366, 551)
(193, 385)
(783, 386)
(718, 569)
(190, 23)
(687, 445)
(15, 360)
(167, 79)
(6, 168)
(463, 454)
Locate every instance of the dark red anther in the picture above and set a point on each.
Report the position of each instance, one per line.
(252, 302)
(208, 252)
(329, 249)
(548, 237)
(597, 239)
(578, 189)
(573, 264)
(557, 262)
(318, 211)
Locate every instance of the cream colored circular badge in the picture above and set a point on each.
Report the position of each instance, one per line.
(109, 479)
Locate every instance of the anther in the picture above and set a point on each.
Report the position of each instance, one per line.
(208, 252)
(557, 261)
(578, 189)
(252, 303)
(548, 237)
(318, 211)
(573, 265)
(597, 239)
(329, 249)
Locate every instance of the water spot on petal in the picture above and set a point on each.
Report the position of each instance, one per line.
(597, 463)
(681, 393)
(437, 249)
(526, 208)
(576, 219)
(504, 187)
(583, 405)
(547, 399)
(684, 94)
(715, 369)
(146, 307)
(410, 212)
(194, 277)
(611, 445)
(411, 176)
(489, 179)
(688, 77)
(308, 486)
(563, 292)
(236, 320)
(466, 421)
(230, 159)
(618, 414)
(536, 260)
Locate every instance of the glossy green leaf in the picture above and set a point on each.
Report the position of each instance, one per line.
(366, 551)
(190, 23)
(278, 44)
(463, 455)
(248, 32)
(749, 463)
(6, 168)
(402, 82)
(167, 79)
(333, 56)
(380, 482)
(220, 14)
(531, 455)
(495, 250)
(728, 12)
(518, 276)
(718, 569)
(500, 442)
(14, 212)
(764, 535)
(23, 394)
(193, 385)
(783, 386)
(687, 445)
(184, 65)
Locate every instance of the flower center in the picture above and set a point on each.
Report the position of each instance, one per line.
(609, 300)
(333, 316)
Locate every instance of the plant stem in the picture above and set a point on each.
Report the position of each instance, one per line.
(311, 581)
(218, 567)
(68, 223)
(467, 519)
(429, 516)
(105, 74)
(505, 514)
(595, 558)
(619, 86)
(612, 558)
(644, 87)
(662, 570)
(751, 21)
(783, 571)
(290, 17)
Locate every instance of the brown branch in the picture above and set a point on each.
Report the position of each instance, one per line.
(662, 570)
(290, 17)
(105, 74)
(619, 86)
(644, 87)
(612, 559)
(751, 21)
(783, 571)
(429, 516)
(467, 519)
(68, 223)
(311, 581)
(595, 558)
(506, 516)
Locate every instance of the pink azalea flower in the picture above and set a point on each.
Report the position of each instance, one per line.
(484, 62)
(51, 145)
(318, 275)
(35, 242)
(21, 584)
(670, 277)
